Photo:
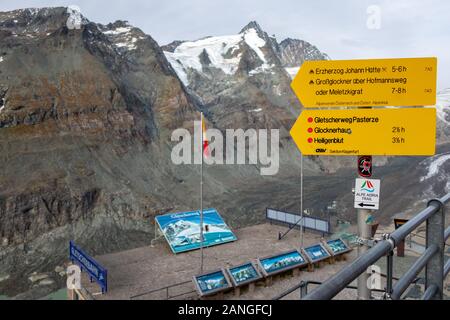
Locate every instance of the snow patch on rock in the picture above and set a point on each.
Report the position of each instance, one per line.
(292, 71)
(188, 53)
(117, 31)
(75, 20)
(443, 106)
(178, 67)
(434, 164)
(130, 45)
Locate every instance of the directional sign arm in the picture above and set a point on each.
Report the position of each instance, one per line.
(387, 131)
(373, 82)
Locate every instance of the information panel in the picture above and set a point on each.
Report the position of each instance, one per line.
(316, 253)
(182, 230)
(281, 263)
(337, 246)
(290, 219)
(243, 274)
(211, 283)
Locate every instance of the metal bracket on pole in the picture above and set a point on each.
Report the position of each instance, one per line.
(366, 242)
(387, 296)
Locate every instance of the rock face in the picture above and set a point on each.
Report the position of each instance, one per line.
(243, 81)
(86, 114)
(85, 117)
(294, 52)
(69, 94)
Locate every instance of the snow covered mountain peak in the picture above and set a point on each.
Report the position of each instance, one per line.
(253, 25)
(251, 52)
(122, 35)
(221, 53)
(75, 19)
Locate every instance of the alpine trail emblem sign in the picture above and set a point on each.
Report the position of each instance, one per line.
(367, 194)
(365, 166)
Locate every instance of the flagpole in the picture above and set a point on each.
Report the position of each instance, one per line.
(301, 201)
(201, 200)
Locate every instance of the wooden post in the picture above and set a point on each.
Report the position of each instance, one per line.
(401, 249)
(71, 295)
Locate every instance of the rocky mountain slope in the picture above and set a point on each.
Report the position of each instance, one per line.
(84, 124)
(86, 115)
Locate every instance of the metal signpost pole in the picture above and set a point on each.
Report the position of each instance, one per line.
(364, 232)
(201, 202)
(301, 201)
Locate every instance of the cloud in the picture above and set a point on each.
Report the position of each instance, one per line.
(409, 28)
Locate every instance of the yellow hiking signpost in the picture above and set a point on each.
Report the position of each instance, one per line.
(380, 131)
(343, 129)
(374, 82)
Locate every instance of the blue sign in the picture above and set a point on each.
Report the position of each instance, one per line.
(213, 282)
(88, 264)
(182, 230)
(317, 252)
(243, 274)
(337, 246)
(282, 262)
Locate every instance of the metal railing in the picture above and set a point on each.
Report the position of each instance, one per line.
(432, 259)
(166, 290)
(303, 289)
(281, 236)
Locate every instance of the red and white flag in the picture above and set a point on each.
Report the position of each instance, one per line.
(205, 142)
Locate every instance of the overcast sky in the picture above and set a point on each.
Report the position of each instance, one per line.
(409, 28)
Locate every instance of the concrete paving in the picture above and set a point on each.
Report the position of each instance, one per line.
(145, 269)
(142, 270)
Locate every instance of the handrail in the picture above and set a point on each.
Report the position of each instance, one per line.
(407, 278)
(340, 280)
(446, 268)
(280, 236)
(294, 288)
(305, 284)
(430, 292)
(167, 291)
